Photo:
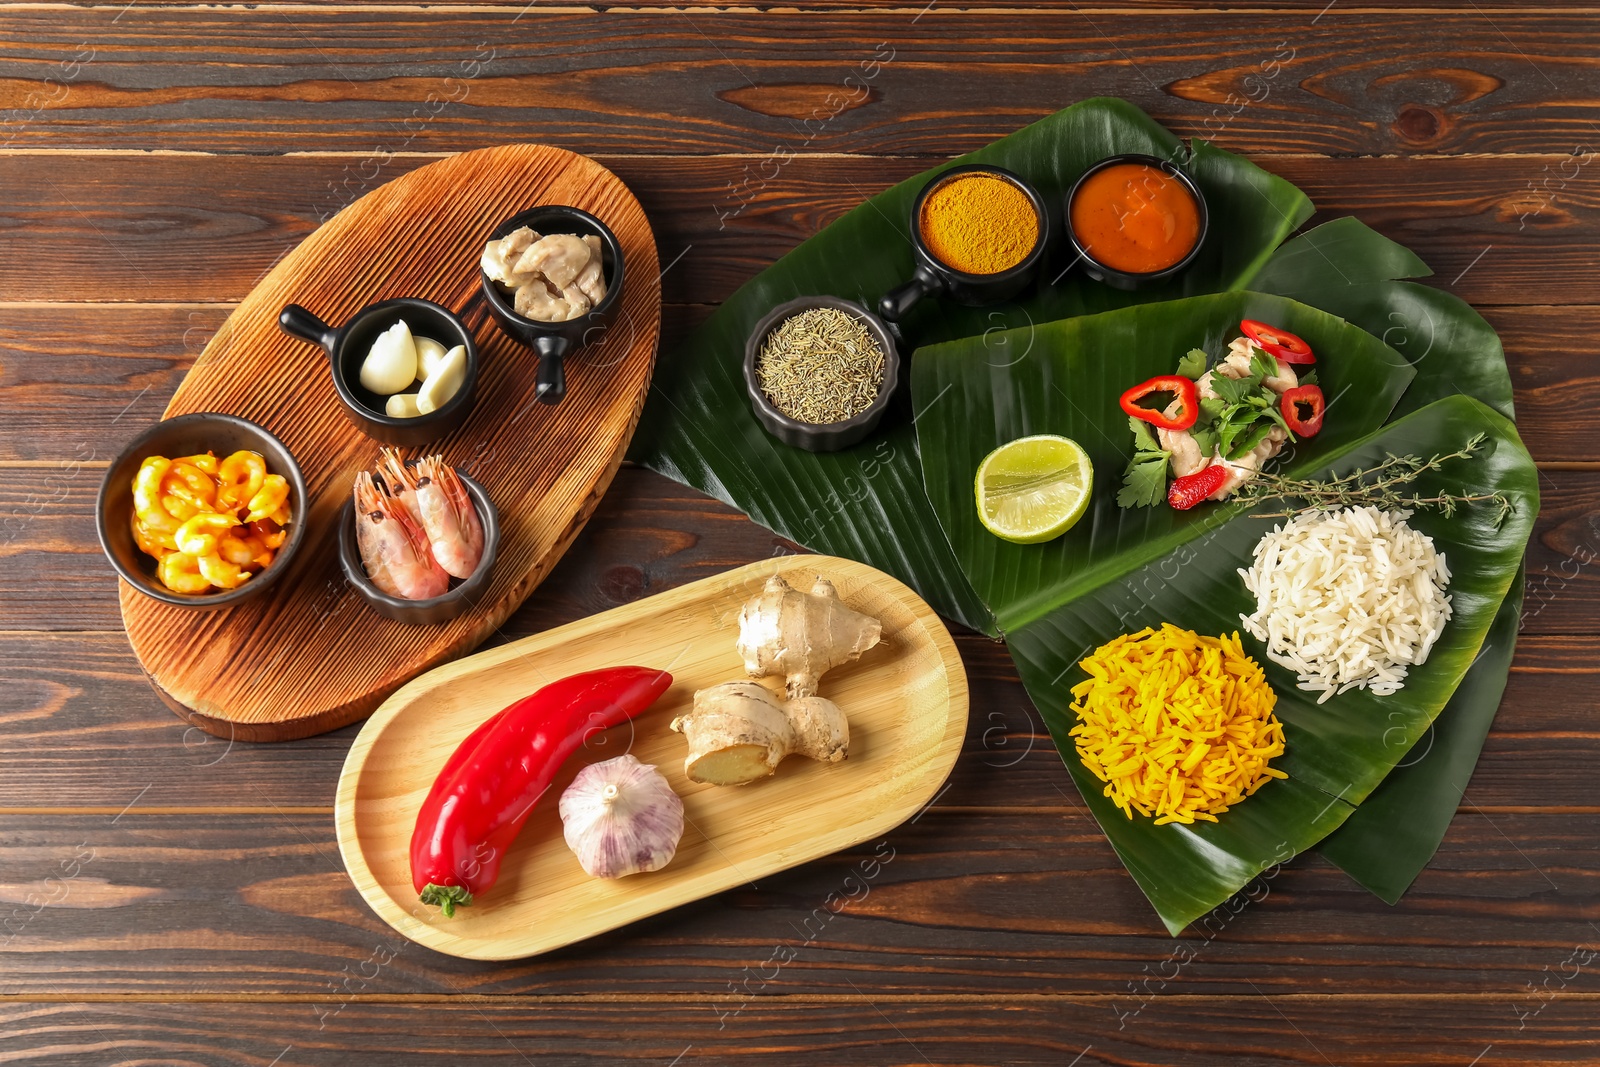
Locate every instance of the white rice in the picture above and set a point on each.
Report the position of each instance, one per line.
(1348, 599)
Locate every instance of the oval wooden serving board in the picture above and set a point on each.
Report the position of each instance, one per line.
(309, 655)
(906, 701)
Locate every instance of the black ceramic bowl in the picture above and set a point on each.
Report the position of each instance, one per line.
(189, 435)
(347, 348)
(554, 340)
(820, 437)
(932, 277)
(1121, 279)
(463, 594)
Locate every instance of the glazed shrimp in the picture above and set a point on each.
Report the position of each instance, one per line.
(449, 517)
(147, 496)
(393, 548)
(198, 536)
(240, 477)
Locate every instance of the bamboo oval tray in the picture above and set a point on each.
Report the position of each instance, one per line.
(906, 701)
(309, 655)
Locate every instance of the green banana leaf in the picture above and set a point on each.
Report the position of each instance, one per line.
(1336, 753)
(867, 502)
(1347, 268)
(1389, 839)
(1065, 378)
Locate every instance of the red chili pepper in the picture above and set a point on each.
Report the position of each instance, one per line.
(1281, 343)
(1184, 493)
(1290, 403)
(493, 779)
(1176, 384)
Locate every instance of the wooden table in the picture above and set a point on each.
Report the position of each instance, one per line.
(169, 897)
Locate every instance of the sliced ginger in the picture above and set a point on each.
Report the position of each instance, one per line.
(738, 732)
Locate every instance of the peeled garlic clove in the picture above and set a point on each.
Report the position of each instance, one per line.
(446, 379)
(621, 817)
(391, 363)
(429, 355)
(402, 406)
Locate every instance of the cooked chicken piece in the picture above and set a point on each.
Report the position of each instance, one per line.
(1186, 457)
(1248, 465)
(498, 256)
(557, 256)
(592, 278)
(578, 299)
(536, 301)
(1238, 359)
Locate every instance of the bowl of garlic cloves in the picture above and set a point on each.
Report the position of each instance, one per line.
(551, 276)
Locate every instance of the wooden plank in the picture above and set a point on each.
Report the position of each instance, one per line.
(659, 81)
(206, 228)
(57, 579)
(962, 901)
(875, 1030)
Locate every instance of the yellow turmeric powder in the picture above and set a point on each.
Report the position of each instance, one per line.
(979, 224)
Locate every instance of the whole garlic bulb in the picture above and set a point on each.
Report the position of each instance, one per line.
(621, 817)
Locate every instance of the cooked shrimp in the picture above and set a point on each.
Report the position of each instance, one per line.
(393, 547)
(239, 478)
(449, 517)
(205, 461)
(147, 496)
(273, 494)
(180, 572)
(435, 497)
(222, 574)
(198, 536)
(151, 542)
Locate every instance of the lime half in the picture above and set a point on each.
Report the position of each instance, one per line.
(1034, 488)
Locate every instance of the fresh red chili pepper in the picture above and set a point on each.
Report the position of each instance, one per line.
(493, 779)
(1290, 403)
(1184, 493)
(1176, 384)
(1281, 343)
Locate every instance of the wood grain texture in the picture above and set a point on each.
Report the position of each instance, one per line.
(205, 228)
(310, 656)
(977, 902)
(1510, 79)
(1257, 1030)
(906, 701)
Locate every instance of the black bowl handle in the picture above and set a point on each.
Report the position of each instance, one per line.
(897, 303)
(551, 385)
(298, 322)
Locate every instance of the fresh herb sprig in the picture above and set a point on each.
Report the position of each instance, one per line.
(1379, 487)
(1144, 483)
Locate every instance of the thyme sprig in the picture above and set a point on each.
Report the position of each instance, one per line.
(1379, 487)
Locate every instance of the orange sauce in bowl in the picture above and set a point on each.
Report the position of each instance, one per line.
(1135, 218)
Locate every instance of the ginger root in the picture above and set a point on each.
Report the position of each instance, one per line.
(739, 732)
(801, 636)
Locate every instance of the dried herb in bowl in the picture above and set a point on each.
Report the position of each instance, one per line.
(820, 366)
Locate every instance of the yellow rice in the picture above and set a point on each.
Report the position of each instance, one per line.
(1177, 725)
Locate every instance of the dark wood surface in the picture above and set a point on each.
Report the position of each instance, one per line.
(169, 897)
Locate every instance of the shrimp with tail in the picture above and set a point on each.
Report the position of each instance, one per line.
(393, 547)
(437, 499)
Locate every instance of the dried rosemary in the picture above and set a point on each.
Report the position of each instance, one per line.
(1379, 487)
(820, 366)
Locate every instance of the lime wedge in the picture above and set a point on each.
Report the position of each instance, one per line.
(1034, 488)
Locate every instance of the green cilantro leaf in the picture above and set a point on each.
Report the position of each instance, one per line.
(1193, 363)
(1145, 483)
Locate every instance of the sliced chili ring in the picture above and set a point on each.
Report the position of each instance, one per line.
(1289, 347)
(1184, 389)
(1289, 404)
